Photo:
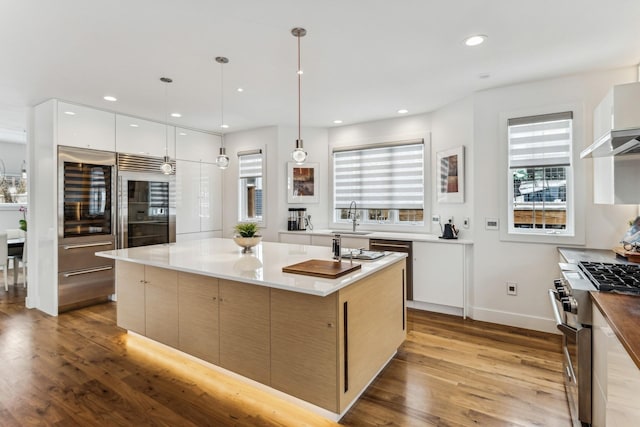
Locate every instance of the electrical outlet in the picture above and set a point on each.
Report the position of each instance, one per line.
(435, 219)
(512, 288)
(465, 222)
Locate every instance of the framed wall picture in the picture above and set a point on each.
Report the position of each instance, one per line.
(450, 180)
(302, 183)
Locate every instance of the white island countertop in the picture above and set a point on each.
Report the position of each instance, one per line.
(223, 259)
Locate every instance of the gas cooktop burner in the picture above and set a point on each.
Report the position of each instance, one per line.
(609, 277)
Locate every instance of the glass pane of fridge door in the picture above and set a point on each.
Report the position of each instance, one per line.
(87, 199)
(148, 210)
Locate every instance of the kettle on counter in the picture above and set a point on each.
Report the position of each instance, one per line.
(449, 231)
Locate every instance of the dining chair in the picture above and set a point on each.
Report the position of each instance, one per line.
(21, 259)
(4, 259)
(15, 258)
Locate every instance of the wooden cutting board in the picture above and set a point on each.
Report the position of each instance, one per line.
(322, 268)
(631, 256)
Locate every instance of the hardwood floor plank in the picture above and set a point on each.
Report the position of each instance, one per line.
(81, 369)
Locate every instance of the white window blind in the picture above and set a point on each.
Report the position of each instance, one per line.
(386, 176)
(250, 164)
(540, 141)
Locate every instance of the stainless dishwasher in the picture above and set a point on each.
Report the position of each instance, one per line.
(404, 246)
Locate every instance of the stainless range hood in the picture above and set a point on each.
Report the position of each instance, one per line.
(616, 123)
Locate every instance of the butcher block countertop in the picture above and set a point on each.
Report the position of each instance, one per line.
(223, 259)
(623, 315)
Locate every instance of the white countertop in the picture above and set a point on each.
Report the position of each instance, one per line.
(223, 259)
(413, 237)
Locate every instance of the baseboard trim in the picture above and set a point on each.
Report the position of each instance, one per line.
(437, 308)
(519, 320)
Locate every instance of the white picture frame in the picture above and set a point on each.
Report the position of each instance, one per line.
(302, 183)
(450, 175)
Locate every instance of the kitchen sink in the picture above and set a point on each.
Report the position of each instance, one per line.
(362, 254)
(359, 233)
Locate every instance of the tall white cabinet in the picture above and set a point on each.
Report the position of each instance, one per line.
(198, 185)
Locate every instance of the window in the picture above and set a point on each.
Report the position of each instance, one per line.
(540, 174)
(384, 181)
(250, 190)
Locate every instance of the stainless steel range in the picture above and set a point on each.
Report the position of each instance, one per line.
(572, 310)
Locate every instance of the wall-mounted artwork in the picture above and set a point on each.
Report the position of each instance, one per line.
(450, 170)
(302, 183)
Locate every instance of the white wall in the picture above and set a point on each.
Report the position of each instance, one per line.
(532, 265)
(315, 144)
(452, 126)
(277, 143)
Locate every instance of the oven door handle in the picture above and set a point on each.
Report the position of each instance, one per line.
(563, 327)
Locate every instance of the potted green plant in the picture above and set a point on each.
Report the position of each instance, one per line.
(246, 235)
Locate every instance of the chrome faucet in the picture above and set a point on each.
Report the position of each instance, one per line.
(353, 215)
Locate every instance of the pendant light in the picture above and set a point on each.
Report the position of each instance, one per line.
(222, 161)
(299, 155)
(166, 166)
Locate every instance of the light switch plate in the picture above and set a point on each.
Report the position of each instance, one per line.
(435, 219)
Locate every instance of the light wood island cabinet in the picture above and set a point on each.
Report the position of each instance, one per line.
(304, 346)
(244, 330)
(148, 301)
(198, 325)
(322, 348)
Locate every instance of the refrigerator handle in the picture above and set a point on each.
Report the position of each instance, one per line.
(121, 241)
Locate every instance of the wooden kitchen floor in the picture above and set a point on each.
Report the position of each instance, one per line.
(80, 369)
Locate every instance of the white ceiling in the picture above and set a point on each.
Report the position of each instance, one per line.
(363, 59)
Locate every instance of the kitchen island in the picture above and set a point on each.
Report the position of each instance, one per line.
(320, 341)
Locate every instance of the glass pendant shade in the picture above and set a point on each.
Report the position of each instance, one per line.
(166, 167)
(299, 155)
(222, 161)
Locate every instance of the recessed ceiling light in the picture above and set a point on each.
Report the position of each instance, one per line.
(70, 113)
(176, 115)
(337, 122)
(403, 111)
(224, 126)
(110, 98)
(475, 40)
(182, 134)
(240, 89)
(133, 125)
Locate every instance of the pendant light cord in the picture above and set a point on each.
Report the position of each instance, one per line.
(299, 88)
(222, 103)
(166, 118)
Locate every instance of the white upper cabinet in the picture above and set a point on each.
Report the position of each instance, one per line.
(86, 127)
(144, 137)
(196, 146)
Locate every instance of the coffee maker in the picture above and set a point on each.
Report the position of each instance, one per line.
(297, 219)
